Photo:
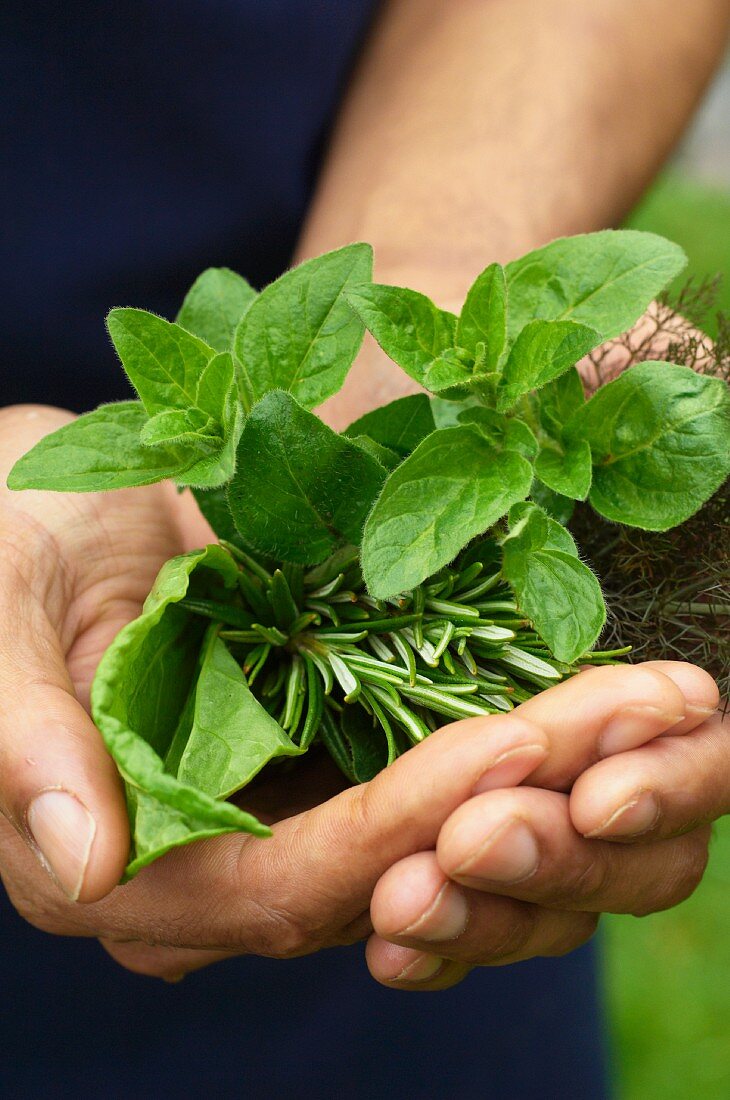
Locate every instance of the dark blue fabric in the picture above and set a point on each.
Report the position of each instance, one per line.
(142, 142)
(76, 1026)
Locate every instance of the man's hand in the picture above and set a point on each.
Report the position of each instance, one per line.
(75, 568)
(527, 871)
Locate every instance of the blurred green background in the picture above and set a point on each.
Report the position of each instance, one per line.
(668, 976)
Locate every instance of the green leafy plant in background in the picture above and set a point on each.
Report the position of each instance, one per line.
(370, 585)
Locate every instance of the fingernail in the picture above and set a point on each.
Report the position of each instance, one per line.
(445, 919)
(693, 710)
(510, 767)
(510, 854)
(62, 831)
(420, 970)
(629, 729)
(635, 817)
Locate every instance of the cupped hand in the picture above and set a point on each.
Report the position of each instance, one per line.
(613, 820)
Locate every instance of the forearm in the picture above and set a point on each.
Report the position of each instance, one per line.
(477, 129)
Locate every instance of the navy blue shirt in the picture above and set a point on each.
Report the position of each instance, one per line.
(143, 142)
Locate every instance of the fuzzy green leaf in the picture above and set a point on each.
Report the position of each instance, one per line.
(566, 469)
(604, 280)
(188, 428)
(100, 450)
(483, 317)
(388, 459)
(542, 351)
(400, 425)
(163, 361)
(553, 587)
(141, 702)
(300, 334)
(232, 736)
(448, 372)
(453, 487)
(558, 401)
(660, 436)
(214, 306)
(407, 325)
(300, 489)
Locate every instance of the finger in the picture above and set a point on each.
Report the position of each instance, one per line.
(660, 790)
(58, 784)
(310, 883)
(415, 905)
(410, 969)
(522, 843)
(604, 711)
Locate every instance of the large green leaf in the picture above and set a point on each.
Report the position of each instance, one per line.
(660, 437)
(566, 468)
(214, 306)
(300, 334)
(141, 702)
(232, 737)
(604, 280)
(163, 361)
(553, 587)
(407, 325)
(542, 351)
(454, 486)
(100, 450)
(300, 489)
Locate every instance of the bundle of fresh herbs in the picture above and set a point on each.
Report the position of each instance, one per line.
(371, 585)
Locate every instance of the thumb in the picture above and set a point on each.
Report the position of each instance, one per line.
(58, 784)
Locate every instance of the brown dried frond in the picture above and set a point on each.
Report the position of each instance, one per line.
(669, 593)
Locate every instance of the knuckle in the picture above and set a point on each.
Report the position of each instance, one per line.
(511, 936)
(682, 877)
(282, 934)
(42, 910)
(587, 882)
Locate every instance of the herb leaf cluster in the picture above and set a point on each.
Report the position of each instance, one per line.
(415, 568)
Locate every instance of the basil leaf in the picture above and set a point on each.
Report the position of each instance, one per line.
(503, 431)
(484, 316)
(140, 702)
(300, 334)
(660, 436)
(162, 360)
(214, 306)
(604, 280)
(232, 736)
(553, 587)
(453, 487)
(542, 351)
(407, 325)
(300, 489)
(100, 450)
(400, 425)
(566, 469)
